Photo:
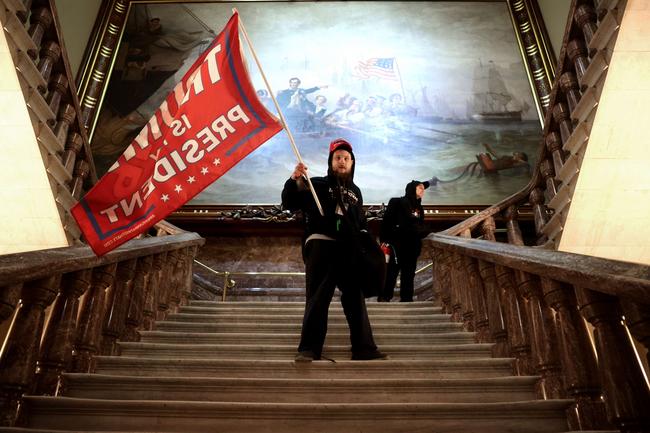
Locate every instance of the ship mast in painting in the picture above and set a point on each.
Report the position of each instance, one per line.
(491, 97)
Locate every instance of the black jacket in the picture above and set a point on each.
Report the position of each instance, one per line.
(403, 222)
(327, 189)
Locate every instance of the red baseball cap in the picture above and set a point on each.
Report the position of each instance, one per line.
(340, 143)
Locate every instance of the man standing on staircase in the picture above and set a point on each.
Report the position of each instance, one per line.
(402, 230)
(325, 252)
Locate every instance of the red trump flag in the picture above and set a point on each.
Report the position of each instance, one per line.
(209, 122)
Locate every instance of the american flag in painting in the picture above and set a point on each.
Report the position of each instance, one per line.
(380, 67)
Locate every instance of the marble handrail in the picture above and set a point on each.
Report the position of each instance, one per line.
(533, 304)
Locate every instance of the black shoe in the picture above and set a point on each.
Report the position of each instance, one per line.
(306, 356)
(368, 356)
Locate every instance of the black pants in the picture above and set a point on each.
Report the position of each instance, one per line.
(326, 268)
(407, 258)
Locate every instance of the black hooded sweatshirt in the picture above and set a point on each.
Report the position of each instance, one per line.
(403, 222)
(330, 191)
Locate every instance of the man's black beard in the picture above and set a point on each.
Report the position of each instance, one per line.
(344, 178)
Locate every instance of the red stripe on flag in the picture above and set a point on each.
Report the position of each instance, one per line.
(376, 67)
(208, 123)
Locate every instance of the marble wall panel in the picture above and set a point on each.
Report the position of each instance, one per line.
(253, 254)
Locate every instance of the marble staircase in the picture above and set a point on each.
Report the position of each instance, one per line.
(228, 367)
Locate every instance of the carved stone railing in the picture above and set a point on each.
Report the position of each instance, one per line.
(93, 302)
(42, 67)
(533, 304)
(584, 58)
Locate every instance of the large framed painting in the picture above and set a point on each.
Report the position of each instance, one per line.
(420, 89)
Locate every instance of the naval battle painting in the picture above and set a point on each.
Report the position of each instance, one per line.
(420, 89)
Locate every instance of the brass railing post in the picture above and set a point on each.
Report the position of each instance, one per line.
(226, 281)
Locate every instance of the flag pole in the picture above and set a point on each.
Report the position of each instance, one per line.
(401, 84)
(277, 107)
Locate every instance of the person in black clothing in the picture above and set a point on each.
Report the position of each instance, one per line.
(403, 228)
(326, 252)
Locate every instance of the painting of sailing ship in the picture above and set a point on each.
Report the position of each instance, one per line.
(420, 89)
(491, 99)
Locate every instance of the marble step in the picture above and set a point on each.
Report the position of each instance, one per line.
(261, 327)
(264, 295)
(32, 430)
(378, 308)
(300, 390)
(335, 338)
(298, 295)
(244, 297)
(297, 318)
(72, 414)
(370, 303)
(29, 430)
(287, 351)
(465, 368)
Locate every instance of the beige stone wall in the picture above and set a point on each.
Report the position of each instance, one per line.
(555, 13)
(29, 219)
(609, 210)
(77, 19)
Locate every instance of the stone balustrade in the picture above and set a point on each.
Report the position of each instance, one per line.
(534, 305)
(94, 302)
(44, 73)
(573, 102)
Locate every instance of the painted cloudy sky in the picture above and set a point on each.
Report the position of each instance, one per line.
(437, 44)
